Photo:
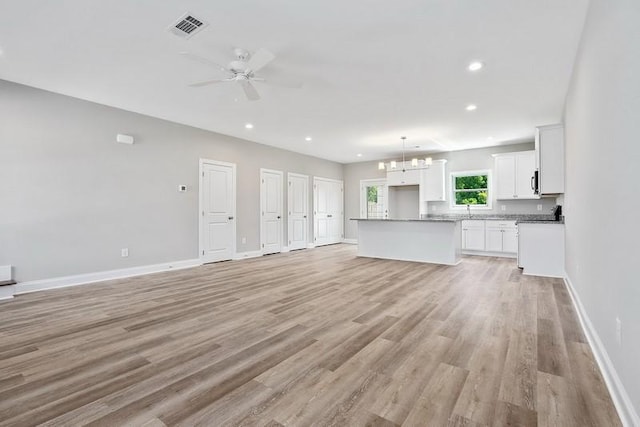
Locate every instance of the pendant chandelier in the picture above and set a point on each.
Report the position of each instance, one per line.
(414, 162)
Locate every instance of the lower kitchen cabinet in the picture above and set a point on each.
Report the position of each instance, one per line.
(501, 236)
(473, 235)
(490, 237)
(510, 240)
(541, 249)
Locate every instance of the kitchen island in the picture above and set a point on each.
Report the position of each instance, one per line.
(432, 240)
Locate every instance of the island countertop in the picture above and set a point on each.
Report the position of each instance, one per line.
(408, 219)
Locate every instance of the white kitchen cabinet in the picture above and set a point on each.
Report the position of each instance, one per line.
(493, 238)
(550, 159)
(541, 249)
(510, 240)
(514, 175)
(473, 235)
(432, 182)
(398, 177)
(501, 236)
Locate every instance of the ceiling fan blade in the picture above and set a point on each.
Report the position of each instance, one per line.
(209, 82)
(259, 59)
(205, 61)
(249, 90)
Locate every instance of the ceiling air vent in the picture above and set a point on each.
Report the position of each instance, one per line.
(187, 26)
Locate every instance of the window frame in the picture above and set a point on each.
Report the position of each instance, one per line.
(452, 192)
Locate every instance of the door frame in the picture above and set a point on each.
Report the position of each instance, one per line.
(201, 204)
(315, 207)
(362, 196)
(281, 173)
(306, 177)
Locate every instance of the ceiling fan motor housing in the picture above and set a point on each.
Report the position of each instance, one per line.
(238, 66)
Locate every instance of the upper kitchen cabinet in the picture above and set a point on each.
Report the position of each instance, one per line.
(550, 159)
(515, 175)
(403, 177)
(432, 182)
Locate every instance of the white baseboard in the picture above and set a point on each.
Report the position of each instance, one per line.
(5, 273)
(6, 292)
(350, 241)
(246, 255)
(311, 245)
(285, 249)
(621, 400)
(82, 279)
(493, 254)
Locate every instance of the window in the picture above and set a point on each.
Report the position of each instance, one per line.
(471, 188)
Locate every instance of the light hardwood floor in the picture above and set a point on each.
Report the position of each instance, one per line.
(315, 337)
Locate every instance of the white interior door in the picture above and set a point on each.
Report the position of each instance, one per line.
(327, 211)
(271, 206)
(298, 211)
(217, 206)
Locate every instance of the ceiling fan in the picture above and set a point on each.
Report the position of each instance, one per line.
(242, 71)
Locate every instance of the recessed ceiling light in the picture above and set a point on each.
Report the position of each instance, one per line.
(475, 66)
(471, 107)
(248, 126)
(308, 139)
(359, 154)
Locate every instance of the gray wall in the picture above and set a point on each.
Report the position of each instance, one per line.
(456, 161)
(72, 197)
(601, 203)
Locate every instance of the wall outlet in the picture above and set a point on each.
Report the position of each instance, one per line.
(124, 252)
(618, 331)
(503, 207)
(539, 207)
(244, 240)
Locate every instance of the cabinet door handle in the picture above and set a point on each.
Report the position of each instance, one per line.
(278, 217)
(230, 217)
(532, 179)
(304, 216)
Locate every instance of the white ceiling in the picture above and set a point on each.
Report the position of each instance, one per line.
(373, 70)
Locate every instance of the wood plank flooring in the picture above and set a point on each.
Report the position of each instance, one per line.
(314, 337)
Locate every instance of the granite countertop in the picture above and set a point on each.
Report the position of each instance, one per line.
(518, 218)
(540, 221)
(425, 219)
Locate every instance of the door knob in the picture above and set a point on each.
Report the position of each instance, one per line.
(230, 217)
(278, 216)
(304, 216)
